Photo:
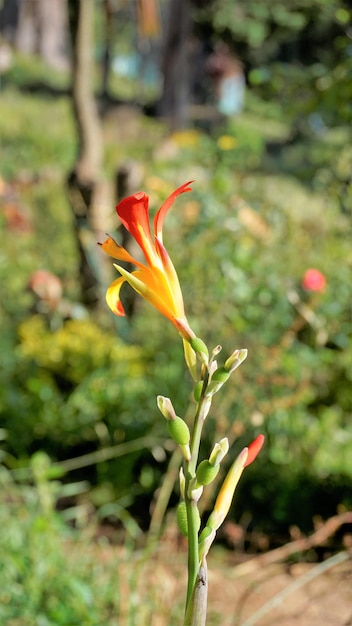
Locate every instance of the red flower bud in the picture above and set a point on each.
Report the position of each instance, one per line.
(254, 448)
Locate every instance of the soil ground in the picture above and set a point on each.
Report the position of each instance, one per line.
(302, 594)
(242, 590)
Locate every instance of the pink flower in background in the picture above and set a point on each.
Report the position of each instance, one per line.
(313, 280)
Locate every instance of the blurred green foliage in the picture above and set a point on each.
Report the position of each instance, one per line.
(37, 583)
(272, 197)
(242, 282)
(52, 574)
(267, 30)
(266, 206)
(290, 67)
(27, 148)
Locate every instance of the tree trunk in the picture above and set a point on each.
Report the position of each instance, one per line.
(9, 15)
(39, 27)
(53, 32)
(26, 37)
(84, 181)
(108, 40)
(174, 104)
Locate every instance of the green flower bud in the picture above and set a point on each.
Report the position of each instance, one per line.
(218, 378)
(213, 388)
(206, 538)
(206, 472)
(182, 518)
(206, 532)
(179, 431)
(201, 349)
(221, 375)
(197, 392)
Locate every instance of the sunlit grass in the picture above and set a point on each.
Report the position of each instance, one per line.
(37, 134)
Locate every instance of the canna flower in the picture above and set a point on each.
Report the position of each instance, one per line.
(155, 280)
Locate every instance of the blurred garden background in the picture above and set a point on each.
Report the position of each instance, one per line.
(102, 98)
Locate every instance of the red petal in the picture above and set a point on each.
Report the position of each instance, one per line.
(161, 214)
(254, 449)
(134, 215)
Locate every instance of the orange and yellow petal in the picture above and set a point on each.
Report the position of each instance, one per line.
(113, 296)
(157, 282)
(171, 277)
(112, 248)
(225, 496)
(151, 284)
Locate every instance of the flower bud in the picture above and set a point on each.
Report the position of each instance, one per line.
(201, 349)
(254, 448)
(179, 431)
(182, 518)
(191, 359)
(213, 366)
(206, 406)
(235, 360)
(224, 499)
(221, 375)
(206, 538)
(219, 451)
(206, 472)
(182, 480)
(166, 408)
(197, 392)
(194, 490)
(218, 378)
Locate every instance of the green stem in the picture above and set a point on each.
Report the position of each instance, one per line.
(195, 439)
(191, 504)
(197, 608)
(193, 551)
(202, 411)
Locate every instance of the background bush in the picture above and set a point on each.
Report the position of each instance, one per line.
(262, 211)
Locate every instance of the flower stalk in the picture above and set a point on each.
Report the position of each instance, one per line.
(157, 282)
(196, 613)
